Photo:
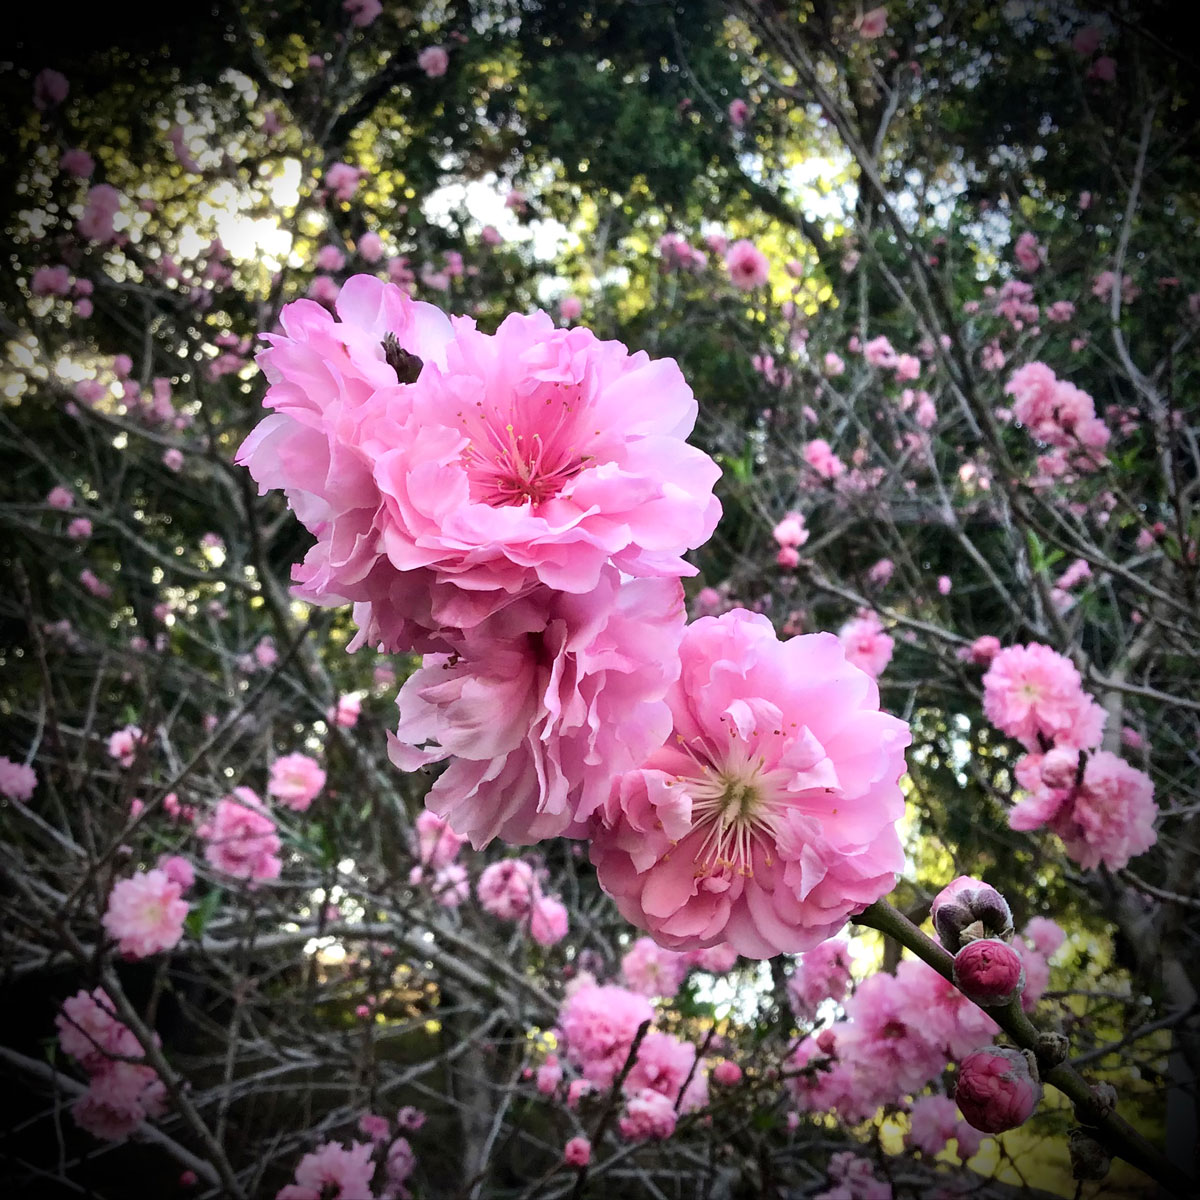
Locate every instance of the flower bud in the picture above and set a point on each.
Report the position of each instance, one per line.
(1052, 1048)
(968, 909)
(988, 971)
(996, 1089)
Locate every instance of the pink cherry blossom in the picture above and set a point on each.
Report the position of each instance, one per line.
(820, 456)
(548, 921)
(296, 781)
(333, 1172)
(717, 960)
(362, 12)
(865, 643)
(747, 265)
(346, 711)
(879, 353)
(932, 1123)
(123, 745)
(17, 780)
(739, 111)
(241, 838)
(558, 695)
(648, 1116)
(1044, 934)
(178, 869)
(78, 163)
(1032, 692)
(119, 1099)
(1028, 253)
(50, 89)
(652, 971)
(343, 180)
(145, 913)
(768, 816)
(80, 529)
(437, 845)
(578, 1152)
(89, 1031)
(599, 1025)
(569, 308)
(507, 889)
(791, 531)
(822, 973)
(833, 364)
(872, 24)
(996, 1090)
(433, 60)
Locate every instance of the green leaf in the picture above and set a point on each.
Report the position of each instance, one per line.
(198, 919)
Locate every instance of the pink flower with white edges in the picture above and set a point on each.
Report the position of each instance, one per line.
(333, 1172)
(120, 1098)
(548, 921)
(241, 838)
(648, 1116)
(145, 913)
(507, 889)
(88, 1030)
(996, 1089)
(649, 969)
(296, 781)
(768, 816)
(747, 265)
(542, 706)
(822, 973)
(865, 643)
(487, 465)
(123, 745)
(599, 1025)
(17, 780)
(1032, 692)
(437, 844)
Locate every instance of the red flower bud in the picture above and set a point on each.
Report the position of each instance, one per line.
(988, 971)
(996, 1089)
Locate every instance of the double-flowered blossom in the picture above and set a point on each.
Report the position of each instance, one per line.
(445, 471)
(17, 780)
(333, 1172)
(822, 973)
(600, 1025)
(296, 781)
(241, 838)
(145, 913)
(649, 969)
(768, 815)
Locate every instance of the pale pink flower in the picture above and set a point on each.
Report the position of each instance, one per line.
(907, 367)
(881, 573)
(431, 511)
(879, 353)
(123, 745)
(652, 971)
(400, 1163)
(872, 24)
(716, 960)
(333, 1172)
(345, 712)
(996, 1090)
(17, 780)
(599, 1025)
(95, 585)
(791, 531)
(330, 258)
(768, 816)
(1044, 934)
(296, 781)
(173, 459)
(820, 456)
(747, 265)
(865, 643)
(727, 1073)
(88, 1030)
(437, 844)
(1028, 253)
(101, 207)
(1032, 692)
(542, 709)
(648, 1116)
(451, 885)
(370, 247)
(548, 921)
(577, 1152)
(507, 889)
(362, 12)
(119, 1099)
(663, 1064)
(145, 913)
(822, 973)
(1060, 311)
(944, 585)
(177, 869)
(569, 308)
(739, 110)
(78, 163)
(80, 529)
(50, 89)
(342, 180)
(375, 1127)
(242, 838)
(60, 497)
(833, 364)
(433, 60)
(549, 1076)
(932, 1123)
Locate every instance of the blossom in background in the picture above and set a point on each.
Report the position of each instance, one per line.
(872, 24)
(747, 265)
(433, 60)
(123, 745)
(548, 921)
(296, 781)
(652, 971)
(865, 643)
(507, 889)
(768, 816)
(17, 780)
(599, 1025)
(333, 1172)
(50, 89)
(241, 838)
(145, 913)
(822, 973)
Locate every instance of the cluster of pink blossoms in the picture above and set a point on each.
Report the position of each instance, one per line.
(1060, 414)
(121, 1093)
(509, 889)
(242, 840)
(652, 971)
(511, 507)
(337, 1172)
(1101, 807)
(436, 847)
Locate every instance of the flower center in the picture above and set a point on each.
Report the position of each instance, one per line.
(732, 809)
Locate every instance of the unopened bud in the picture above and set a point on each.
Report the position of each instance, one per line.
(989, 971)
(1052, 1049)
(996, 1090)
(968, 909)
